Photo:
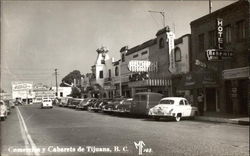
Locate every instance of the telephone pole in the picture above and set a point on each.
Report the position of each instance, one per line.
(163, 16)
(56, 83)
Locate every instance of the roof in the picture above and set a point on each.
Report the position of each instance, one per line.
(124, 48)
(174, 98)
(145, 93)
(142, 46)
(229, 7)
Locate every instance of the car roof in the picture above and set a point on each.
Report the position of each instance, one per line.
(174, 98)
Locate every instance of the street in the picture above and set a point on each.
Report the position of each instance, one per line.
(63, 131)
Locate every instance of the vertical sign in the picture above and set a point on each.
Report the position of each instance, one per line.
(171, 37)
(219, 22)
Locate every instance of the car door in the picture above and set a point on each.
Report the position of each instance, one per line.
(187, 108)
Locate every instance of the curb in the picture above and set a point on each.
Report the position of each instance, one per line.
(222, 120)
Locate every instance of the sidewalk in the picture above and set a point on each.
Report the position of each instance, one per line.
(224, 118)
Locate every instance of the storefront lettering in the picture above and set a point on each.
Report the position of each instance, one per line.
(220, 33)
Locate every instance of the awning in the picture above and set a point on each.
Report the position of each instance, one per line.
(150, 82)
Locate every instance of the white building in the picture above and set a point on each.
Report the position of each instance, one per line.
(62, 91)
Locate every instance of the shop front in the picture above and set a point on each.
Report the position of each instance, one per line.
(236, 88)
(203, 83)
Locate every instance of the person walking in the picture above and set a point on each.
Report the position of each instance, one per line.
(200, 100)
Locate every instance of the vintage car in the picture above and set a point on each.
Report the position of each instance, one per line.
(8, 106)
(124, 106)
(96, 107)
(46, 103)
(75, 102)
(3, 110)
(86, 103)
(173, 107)
(111, 106)
(143, 101)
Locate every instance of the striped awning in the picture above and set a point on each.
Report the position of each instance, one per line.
(150, 82)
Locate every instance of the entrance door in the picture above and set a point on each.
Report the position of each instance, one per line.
(243, 100)
(211, 99)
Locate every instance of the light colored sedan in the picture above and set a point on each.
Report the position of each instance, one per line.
(173, 107)
(46, 103)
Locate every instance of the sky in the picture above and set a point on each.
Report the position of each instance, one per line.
(39, 36)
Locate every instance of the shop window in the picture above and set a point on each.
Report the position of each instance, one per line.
(201, 43)
(116, 71)
(212, 39)
(241, 30)
(227, 34)
(177, 54)
(101, 74)
(123, 57)
(161, 43)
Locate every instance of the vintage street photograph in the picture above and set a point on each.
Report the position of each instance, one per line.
(125, 77)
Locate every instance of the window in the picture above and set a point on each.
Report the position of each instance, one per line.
(135, 56)
(167, 102)
(101, 74)
(181, 102)
(123, 57)
(201, 43)
(116, 71)
(109, 73)
(145, 52)
(227, 34)
(241, 30)
(61, 94)
(212, 39)
(161, 43)
(177, 54)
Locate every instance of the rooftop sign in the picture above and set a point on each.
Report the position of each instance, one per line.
(142, 66)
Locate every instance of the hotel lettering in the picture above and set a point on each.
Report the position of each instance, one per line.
(220, 33)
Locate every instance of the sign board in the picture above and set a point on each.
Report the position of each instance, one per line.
(217, 55)
(17, 86)
(236, 73)
(142, 66)
(171, 37)
(219, 23)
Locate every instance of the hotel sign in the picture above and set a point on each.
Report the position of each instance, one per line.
(219, 33)
(142, 66)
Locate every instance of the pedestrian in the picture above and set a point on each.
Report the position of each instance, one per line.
(200, 100)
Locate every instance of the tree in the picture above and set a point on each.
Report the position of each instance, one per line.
(69, 79)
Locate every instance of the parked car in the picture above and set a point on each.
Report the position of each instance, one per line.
(111, 106)
(96, 105)
(173, 107)
(75, 102)
(124, 106)
(143, 101)
(8, 105)
(3, 110)
(46, 103)
(12, 105)
(86, 103)
(69, 101)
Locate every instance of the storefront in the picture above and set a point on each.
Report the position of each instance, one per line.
(236, 88)
(193, 84)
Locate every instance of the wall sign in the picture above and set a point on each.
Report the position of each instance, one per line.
(219, 22)
(142, 66)
(171, 37)
(215, 54)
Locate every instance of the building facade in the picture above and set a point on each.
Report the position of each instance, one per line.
(220, 59)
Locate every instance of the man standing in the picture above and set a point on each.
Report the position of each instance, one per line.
(200, 100)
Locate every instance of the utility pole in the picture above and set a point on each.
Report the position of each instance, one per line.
(163, 16)
(210, 6)
(56, 83)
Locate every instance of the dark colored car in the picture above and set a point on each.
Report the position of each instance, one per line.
(75, 102)
(86, 103)
(111, 106)
(124, 106)
(7, 103)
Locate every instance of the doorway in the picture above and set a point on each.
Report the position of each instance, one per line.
(211, 99)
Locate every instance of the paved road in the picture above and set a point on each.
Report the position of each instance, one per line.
(63, 131)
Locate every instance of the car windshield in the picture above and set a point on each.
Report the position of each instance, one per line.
(167, 102)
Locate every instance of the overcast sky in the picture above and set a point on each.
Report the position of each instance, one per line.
(39, 36)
